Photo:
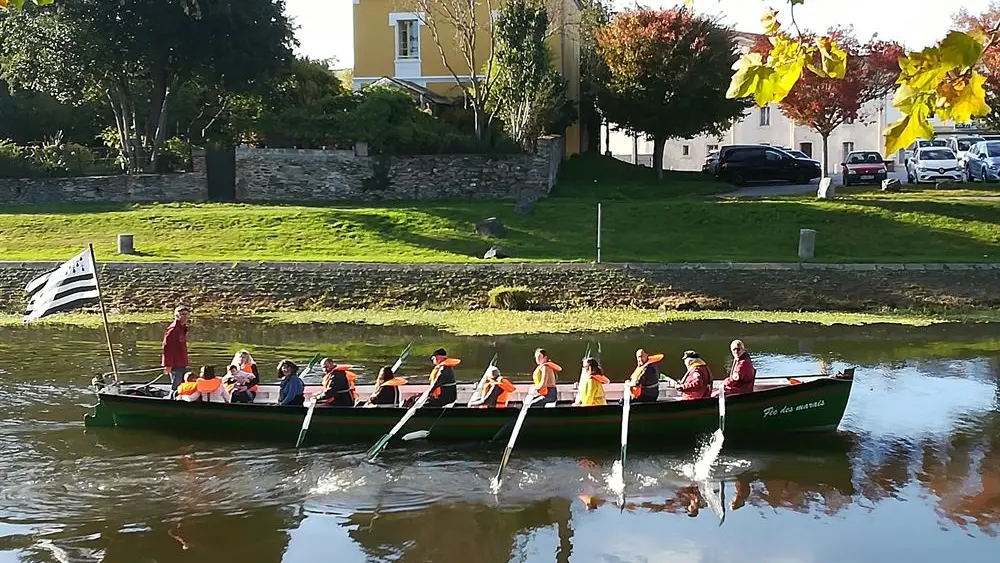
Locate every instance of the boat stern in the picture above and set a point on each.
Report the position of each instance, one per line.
(102, 417)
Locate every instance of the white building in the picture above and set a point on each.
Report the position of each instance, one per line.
(767, 125)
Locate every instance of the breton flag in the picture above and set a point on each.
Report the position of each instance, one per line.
(67, 287)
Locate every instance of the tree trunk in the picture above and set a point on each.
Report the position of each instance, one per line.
(160, 136)
(826, 154)
(659, 144)
(590, 122)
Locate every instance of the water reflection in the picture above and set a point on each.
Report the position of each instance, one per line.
(918, 458)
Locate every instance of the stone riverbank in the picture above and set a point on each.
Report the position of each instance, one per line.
(248, 287)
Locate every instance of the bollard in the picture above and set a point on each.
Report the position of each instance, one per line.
(807, 244)
(126, 244)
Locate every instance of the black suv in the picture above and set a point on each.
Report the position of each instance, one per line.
(739, 164)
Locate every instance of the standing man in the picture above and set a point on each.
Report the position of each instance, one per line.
(175, 353)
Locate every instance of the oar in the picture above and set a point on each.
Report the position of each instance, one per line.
(495, 485)
(421, 434)
(627, 409)
(722, 408)
(482, 381)
(376, 449)
(312, 405)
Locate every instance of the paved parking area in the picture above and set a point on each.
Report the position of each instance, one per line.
(794, 189)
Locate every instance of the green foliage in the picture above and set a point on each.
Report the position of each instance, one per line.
(517, 298)
(389, 121)
(528, 94)
(13, 163)
(942, 80)
(177, 155)
(51, 158)
(667, 75)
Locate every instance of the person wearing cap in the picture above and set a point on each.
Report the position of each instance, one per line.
(697, 382)
(496, 392)
(444, 390)
(336, 386)
(175, 354)
(742, 375)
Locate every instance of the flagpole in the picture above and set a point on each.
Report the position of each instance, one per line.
(104, 314)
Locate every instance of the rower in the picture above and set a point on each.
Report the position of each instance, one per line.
(188, 391)
(742, 375)
(336, 385)
(544, 378)
(591, 385)
(444, 390)
(386, 392)
(697, 382)
(496, 392)
(291, 391)
(645, 381)
(210, 387)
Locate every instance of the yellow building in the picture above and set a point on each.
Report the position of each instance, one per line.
(415, 42)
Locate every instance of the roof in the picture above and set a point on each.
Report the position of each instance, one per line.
(415, 88)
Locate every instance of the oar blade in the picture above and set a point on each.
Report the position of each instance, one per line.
(418, 435)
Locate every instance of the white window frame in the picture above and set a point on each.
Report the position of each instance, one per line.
(686, 151)
(408, 67)
(765, 116)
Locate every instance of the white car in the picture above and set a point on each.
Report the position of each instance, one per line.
(961, 144)
(931, 164)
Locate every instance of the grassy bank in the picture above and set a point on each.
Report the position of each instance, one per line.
(492, 322)
(643, 221)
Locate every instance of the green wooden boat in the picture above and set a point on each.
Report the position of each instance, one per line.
(793, 404)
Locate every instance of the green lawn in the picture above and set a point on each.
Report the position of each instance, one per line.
(643, 221)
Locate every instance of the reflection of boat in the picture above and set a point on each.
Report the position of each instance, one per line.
(807, 403)
(484, 533)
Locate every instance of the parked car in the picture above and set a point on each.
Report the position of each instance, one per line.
(983, 162)
(931, 164)
(863, 167)
(920, 143)
(960, 145)
(711, 162)
(756, 163)
(800, 154)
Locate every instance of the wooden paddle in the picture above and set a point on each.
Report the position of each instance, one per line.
(495, 485)
(312, 404)
(421, 434)
(376, 449)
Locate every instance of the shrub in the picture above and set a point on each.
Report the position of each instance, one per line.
(517, 298)
(12, 161)
(176, 155)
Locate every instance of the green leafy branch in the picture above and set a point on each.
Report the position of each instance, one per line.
(18, 4)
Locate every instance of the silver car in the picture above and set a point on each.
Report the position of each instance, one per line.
(983, 161)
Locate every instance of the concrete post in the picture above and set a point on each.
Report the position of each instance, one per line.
(807, 244)
(126, 244)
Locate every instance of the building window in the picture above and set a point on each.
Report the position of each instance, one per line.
(765, 116)
(407, 39)
(848, 149)
(711, 148)
(685, 150)
(807, 149)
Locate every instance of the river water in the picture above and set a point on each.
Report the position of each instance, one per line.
(913, 474)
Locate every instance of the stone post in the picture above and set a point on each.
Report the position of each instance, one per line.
(807, 244)
(126, 244)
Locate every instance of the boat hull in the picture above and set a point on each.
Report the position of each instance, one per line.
(813, 406)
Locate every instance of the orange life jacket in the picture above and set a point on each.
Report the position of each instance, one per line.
(208, 385)
(351, 378)
(187, 388)
(544, 380)
(635, 389)
(506, 388)
(249, 369)
(436, 370)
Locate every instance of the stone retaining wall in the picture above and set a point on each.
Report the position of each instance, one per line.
(255, 287)
(321, 175)
(123, 188)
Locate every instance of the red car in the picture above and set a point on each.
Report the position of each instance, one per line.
(863, 167)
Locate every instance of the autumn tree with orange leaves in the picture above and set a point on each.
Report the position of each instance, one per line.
(823, 104)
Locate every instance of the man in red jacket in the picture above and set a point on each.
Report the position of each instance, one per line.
(697, 382)
(743, 373)
(175, 353)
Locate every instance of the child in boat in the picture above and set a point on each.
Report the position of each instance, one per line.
(237, 383)
(496, 392)
(387, 389)
(188, 391)
(592, 385)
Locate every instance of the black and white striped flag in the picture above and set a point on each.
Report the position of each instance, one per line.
(69, 286)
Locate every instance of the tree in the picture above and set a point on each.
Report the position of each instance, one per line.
(823, 103)
(667, 75)
(528, 95)
(135, 55)
(594, 15)
(990, 63)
